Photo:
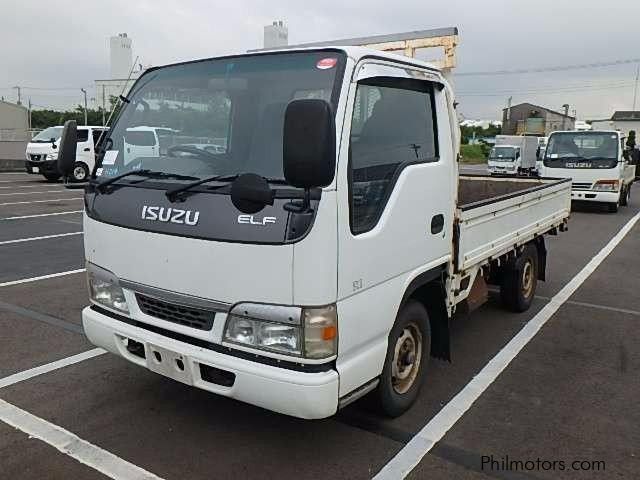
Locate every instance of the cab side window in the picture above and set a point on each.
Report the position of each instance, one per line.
(83, 135)
(393, 126)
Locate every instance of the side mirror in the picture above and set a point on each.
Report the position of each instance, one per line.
(68, 145)
(309, 144)
(53, 143)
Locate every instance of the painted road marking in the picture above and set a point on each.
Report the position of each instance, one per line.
(66, 442)
(49, 367)
(43, 277)
(30, 186)
(42, 201)
(36, 193)
(41, 215)
(413, 452)
(44, 237)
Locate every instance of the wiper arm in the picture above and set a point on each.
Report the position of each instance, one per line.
(173, 192)
(142, 173)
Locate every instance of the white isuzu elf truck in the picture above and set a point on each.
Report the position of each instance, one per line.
(322, 253)
(596, 162)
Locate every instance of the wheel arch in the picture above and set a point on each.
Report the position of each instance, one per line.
(429, 289)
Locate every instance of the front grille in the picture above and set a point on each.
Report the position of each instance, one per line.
(581, 186)
(172, 312)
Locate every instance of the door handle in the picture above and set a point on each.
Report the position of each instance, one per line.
(87, 149)
(437, 223)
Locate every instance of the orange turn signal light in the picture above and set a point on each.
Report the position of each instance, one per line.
(329, 333)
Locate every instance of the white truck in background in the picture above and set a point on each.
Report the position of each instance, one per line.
(322, 255)
(42, 152)
(513, 155)
(595, 161)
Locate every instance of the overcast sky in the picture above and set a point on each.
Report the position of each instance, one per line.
(65, 43)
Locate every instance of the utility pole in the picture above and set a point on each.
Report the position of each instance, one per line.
(566, 114)
(509, 100)
(29, 113)
(85, 104)
(635, 91)
(104, 108)
(19, 96)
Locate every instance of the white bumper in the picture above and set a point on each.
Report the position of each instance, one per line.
(299, 394)
(591, 196)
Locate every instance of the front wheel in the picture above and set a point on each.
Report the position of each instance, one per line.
(520, 280)
(80, 172)
(51, 177)
(407, 357)
(625, 195)
(613, 207)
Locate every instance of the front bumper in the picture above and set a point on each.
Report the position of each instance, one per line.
(44, 166)
(591, 196)
(502, 171)
(299, 394)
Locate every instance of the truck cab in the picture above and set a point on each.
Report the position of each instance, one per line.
(513, 155)
(595, 162)
(42, 152)
(319, 255)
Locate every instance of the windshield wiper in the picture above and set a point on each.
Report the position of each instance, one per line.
(173, 192)
(142, 173)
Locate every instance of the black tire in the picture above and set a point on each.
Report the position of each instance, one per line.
(399, 387)
(80, 172)
(624, 196)
(51, 177)
(520, 280)
(612, 207)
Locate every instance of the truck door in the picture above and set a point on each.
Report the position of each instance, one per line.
(84, 151)
(395, 217)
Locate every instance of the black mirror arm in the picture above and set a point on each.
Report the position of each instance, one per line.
(298, 207)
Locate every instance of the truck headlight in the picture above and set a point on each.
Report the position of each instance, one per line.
(606, 185)
(301, 332)
(104, 289)
(52, 156)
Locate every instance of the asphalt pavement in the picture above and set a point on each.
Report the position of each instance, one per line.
(570, 394)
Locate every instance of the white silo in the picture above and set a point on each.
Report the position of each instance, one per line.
(121, 56)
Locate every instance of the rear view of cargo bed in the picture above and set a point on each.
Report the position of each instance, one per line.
(495, 215)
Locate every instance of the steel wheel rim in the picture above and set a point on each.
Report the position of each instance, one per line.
(79, 173)
(407, 356)
(527, 279)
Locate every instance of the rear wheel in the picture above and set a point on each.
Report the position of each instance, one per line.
(80, 172)
(625, 195)
(407, 357)
(520, 280)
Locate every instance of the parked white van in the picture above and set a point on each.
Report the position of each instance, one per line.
(42, 152)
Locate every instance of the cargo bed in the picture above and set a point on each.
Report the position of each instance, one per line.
(494, 215)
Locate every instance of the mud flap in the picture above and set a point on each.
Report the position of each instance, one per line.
(439, 322)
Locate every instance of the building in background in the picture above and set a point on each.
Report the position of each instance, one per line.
(14, 133)
(530, 119)
(625, 121)
(276, 35)
(123, 72)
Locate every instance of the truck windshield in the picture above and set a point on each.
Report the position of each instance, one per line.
(582, 150)
(502, 154)
(47, 134)
(218, 117)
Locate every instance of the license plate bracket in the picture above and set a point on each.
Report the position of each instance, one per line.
(169, 363)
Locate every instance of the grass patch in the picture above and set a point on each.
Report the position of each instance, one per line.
(472, 154)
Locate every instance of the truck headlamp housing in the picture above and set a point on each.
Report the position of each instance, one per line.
(52, 156)
(302, 332)
(606, 185)
(104, 289)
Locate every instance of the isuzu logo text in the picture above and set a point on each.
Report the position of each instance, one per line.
(170, 215)
(250, 220)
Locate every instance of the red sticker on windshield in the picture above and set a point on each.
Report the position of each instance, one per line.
(326, 63)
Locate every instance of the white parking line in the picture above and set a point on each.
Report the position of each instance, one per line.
(42, 201)
(66, 442)
(44, 237)
(30, 186)
(36, 193)
(413, 452)
(22, 217)
(42, 277)
(49, 367)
